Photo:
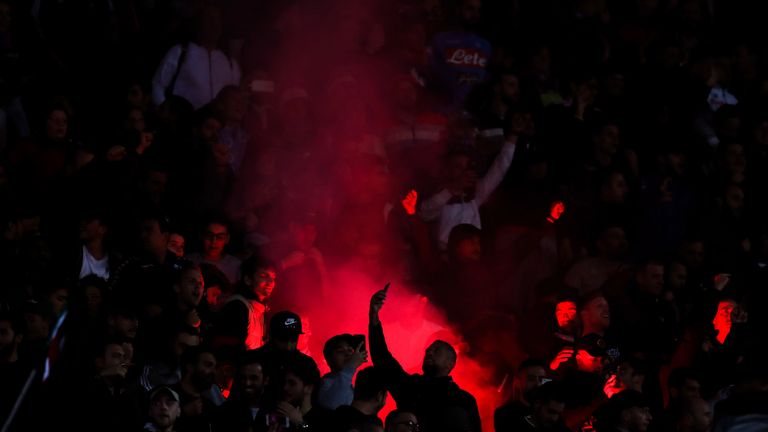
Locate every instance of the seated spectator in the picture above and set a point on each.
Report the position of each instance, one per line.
(369, 399)
(689, 415)
(198, 365)
(164, 410)
(215, 239)
(627, 411)
(246, 400)
(344, 360)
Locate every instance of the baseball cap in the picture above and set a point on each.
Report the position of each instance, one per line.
(285, 323)
(166, 390)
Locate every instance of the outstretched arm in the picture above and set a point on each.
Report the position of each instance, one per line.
(494, 176)
(380, 354)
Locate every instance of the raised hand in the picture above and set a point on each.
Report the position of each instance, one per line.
(409, 202)
(377, 302)
(359, 357)
(563, 356)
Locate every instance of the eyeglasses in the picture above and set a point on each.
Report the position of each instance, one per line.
(411, 425)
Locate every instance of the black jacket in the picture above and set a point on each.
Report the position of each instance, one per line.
(439, 403)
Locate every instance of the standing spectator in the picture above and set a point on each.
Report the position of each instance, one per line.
(246, 401)
(369, 399)
(438, 401)
(530, 375)
(241, 320)
(401, 421)
(197, 70)
(197, 378)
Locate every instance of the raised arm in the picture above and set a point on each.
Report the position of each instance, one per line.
(380, 354)
(494, 176)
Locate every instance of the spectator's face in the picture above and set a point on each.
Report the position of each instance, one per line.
(152, 237)
(136, 96)
(678, 275)
(691, 389)
(340, 356)
(164, 410)
(113, 356)
(294, 390)
(597, 313)
(627, 375)
(36, 326)
(565, 312)
(651, 279)
(693, 253)
(510, 88)
(59, 300)
(469, 12)
(93, 299)
(607, 140)
(56, 126)
(216, 236)
(185, 340)
(209, 130)
(7, 338)
(613, 242)
(263, 282)
(615, 189)
(91, 229)
(136, 120)
(176, 244)
(204, 372)
(469, 249)
(637, 419)
(548, 414)
(190, 287)
(457, 167)
(530, 378)
(126, 326)
(438, 360)
(403, 422)
(253, 380)
(701, 416)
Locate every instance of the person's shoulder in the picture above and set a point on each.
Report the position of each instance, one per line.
(231, 260)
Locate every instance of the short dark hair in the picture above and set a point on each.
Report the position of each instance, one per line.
(253, 357)
(334, 342)
(255, 262)
(304, 367)
(450, 347)
(587, 298)
(162, 220)
(391, 417)
(369, 383)
(191, 355)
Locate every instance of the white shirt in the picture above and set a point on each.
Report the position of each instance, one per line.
(93, 266)
(203, 74)
(450, 215)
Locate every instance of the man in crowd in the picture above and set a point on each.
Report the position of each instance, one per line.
(437, 401)
(343, 358)
(530, 375)
(246, 400)
(164, 410)
(369, 399)
(215, 238)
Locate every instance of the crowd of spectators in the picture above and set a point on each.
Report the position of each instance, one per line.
(579, 186)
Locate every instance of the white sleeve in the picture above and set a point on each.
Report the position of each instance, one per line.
(431, 208)
(164, 74)
(494, 176)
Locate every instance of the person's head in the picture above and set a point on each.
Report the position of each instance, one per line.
(683, 383)
(530, 374)
(176, 244)
(612, 242)
(216, 285)
(208, 123)
(259, 275)
(164, 408)
(469, 13)
(677, 276)
(630, 372)
(693, 253)
(184, 339)
(338, 350)
(111, 354)
(57, 124)
(92, 228)
(594, 312)
(135, 120)
(189, 285)
(566, 315)
(198, 367)
(606, 139)
(590, 353)
(464, 243)
(613, 188)
(507, 86)
(10, 337)
(301, 379)
(458, 163)
(439, 359)
(215, 238)
(650, 277)
(123, 320)
(284, 330)
(401, 421)
(371, 387)
(155, 234)
(628, 410)
(548, 403)
(252, 377)
(691, 415)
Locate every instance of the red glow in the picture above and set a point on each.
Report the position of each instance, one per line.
(409, 202)
(556, 211)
